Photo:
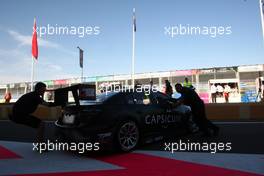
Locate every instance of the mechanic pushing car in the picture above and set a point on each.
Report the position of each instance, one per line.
(168, 88)
(191, 98)
(26, 105)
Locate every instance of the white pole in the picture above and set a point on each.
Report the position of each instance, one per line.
(261, 15)
(261, 4)
(133, 49)
(32, 73)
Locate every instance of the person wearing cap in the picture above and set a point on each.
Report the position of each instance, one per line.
(26, 105)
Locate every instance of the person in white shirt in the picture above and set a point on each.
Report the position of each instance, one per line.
(227, 90)
(213, 91)
(220, 90)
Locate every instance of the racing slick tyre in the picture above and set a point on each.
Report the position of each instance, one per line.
(127, 136)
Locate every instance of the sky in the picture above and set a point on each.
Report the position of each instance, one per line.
(109, 51)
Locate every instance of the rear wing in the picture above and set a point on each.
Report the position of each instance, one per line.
(79, 92)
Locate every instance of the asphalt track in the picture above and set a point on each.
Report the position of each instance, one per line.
(246, 157)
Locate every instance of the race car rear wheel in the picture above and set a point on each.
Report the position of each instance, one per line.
(127, 135)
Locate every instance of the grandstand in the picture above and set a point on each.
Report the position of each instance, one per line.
(241, 79)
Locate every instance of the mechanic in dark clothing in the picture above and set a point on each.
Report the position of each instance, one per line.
(168, 88)
(190, 98)
(26, 105)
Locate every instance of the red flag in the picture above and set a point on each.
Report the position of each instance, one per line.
(34, 42)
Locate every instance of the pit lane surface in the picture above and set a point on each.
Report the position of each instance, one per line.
(245, 158)
(246, 137)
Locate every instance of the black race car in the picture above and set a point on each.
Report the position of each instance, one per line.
(123, 119)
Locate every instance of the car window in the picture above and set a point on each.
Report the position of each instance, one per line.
(129, 98)
(70, 97)
(118, 98)
(99, 98)
(146, 100)
(152, 98)
(104, 96)
(138, 98)
(159, 98)
(142, 98)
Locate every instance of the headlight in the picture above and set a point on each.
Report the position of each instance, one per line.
(68, 118)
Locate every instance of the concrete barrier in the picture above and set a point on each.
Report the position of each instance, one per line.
(223, 111)
(235, 111)
(43, 112)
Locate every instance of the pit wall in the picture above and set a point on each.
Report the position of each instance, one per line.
(222, 111)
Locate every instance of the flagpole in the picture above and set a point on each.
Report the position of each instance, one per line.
(261, 4)
(32, 74)
(34, 52)
(81, 62)
(262, 16)
(82, 75)
(133, 49)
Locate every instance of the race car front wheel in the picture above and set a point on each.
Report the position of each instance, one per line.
(127, 136)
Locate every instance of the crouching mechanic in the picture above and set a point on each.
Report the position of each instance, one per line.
(26, 105)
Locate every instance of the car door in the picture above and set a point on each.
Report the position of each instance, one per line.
(149, 112)
(171, 118)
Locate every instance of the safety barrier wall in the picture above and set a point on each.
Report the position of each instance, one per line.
(223, 111)
(235, 111)
(45, 113)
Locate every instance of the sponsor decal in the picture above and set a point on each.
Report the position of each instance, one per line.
(160, 119)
